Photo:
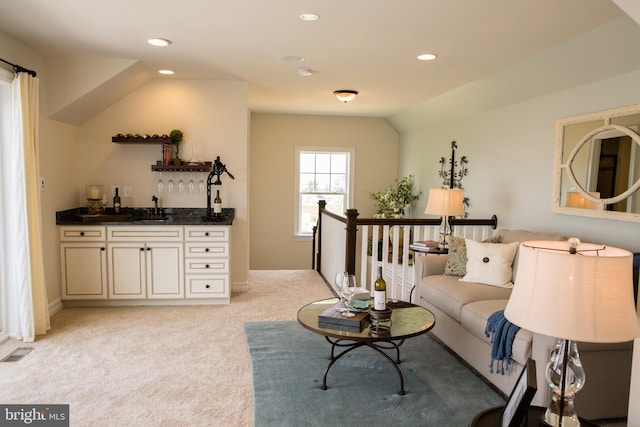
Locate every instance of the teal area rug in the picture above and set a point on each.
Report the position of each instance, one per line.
(289, 361)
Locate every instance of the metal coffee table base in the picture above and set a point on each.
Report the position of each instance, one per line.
(378, 346)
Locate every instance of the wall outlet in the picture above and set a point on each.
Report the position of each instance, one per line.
(128, 191)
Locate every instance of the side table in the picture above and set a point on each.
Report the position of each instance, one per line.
(424, 250)
(492, 417)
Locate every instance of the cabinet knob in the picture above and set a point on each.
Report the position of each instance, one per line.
(103, 249)
(82, 233)
(207, 286)
(206, 249)
(206, 233)
(141, 249)
(148, 249)
(206, 266)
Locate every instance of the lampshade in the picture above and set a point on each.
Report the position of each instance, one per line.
(586, 296)
(577, 200)
(345, 95)
(445, 202)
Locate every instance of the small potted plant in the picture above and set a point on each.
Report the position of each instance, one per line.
(176, 139)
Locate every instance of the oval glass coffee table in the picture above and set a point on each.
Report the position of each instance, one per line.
(407, 321)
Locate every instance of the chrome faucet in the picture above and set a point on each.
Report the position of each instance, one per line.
(154, 199)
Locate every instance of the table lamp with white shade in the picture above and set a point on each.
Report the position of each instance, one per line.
(576, 292)
(445, 202)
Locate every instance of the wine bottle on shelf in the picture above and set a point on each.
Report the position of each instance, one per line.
(217, 204)
(116, 202)
(380, 292)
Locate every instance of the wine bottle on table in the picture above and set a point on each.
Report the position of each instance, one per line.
(116, 202)
(380, 292)
(217, 204)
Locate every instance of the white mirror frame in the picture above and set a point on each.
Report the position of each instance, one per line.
(559, 166)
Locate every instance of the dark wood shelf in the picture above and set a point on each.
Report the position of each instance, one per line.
(159, 167)
(142, 140)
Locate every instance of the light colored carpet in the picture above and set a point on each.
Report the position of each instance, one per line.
(155, 366)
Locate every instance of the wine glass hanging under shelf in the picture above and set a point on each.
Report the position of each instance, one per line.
(184, 167)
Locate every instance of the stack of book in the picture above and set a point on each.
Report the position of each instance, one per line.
(425, 243)
(333, 319)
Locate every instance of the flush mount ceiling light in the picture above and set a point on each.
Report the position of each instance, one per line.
(305, 72)
(427, 57)
(159, 42)
(166, 72)
(292, 58)
(345, 95)
(309, 17)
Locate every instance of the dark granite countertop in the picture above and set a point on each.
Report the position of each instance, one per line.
(144, 216)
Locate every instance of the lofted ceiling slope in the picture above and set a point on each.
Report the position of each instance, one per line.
(365, 45)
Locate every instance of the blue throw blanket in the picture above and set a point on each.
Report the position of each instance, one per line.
(502, 333)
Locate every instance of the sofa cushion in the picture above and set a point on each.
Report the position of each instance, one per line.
(474, 318)
(450, 294)
(490, 263)
(457, 258)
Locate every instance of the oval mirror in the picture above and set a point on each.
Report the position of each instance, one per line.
(597, 165)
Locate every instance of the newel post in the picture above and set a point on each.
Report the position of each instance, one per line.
(352, 229)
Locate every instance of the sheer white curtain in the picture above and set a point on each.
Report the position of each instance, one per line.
(26, 309)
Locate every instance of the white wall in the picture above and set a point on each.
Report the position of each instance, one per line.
(211, 114)
(273, 141)
(510, 142)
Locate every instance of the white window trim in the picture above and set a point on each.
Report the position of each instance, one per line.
(296, 189)
(7, 75)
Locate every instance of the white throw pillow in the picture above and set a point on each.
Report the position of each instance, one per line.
(490, 263)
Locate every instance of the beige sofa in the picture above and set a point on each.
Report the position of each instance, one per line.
(462, 308)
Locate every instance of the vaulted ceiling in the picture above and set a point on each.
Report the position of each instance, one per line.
(365, 45)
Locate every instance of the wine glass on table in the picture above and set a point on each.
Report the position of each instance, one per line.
(348, 291)
(339, 282)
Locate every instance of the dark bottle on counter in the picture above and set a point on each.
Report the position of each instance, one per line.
(116, 202)
(217, 205)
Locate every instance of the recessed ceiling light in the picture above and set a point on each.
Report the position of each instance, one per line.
(159, 42)
(427, 57)
(166, 72)
(309, 17)
(292, 58)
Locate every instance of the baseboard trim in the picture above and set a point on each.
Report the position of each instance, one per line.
(55, 306)
(240, 286)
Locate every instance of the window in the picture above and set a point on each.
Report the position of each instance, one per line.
(321, 174)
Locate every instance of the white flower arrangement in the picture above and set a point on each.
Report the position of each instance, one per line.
(393, 201)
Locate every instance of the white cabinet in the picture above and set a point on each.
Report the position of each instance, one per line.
(207, 262)
(128, 264)
(145, 262)
(83, 262)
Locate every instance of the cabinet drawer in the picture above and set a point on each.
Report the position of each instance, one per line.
(215, 265)
(207, 233)
(203, 250)
(82, 233)
(144, 233)
(207, 286)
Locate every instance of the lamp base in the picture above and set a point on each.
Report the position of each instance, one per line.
(566, 377)
(551, 419)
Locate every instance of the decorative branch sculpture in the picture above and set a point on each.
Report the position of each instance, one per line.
(453, 174)
(453, 177)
